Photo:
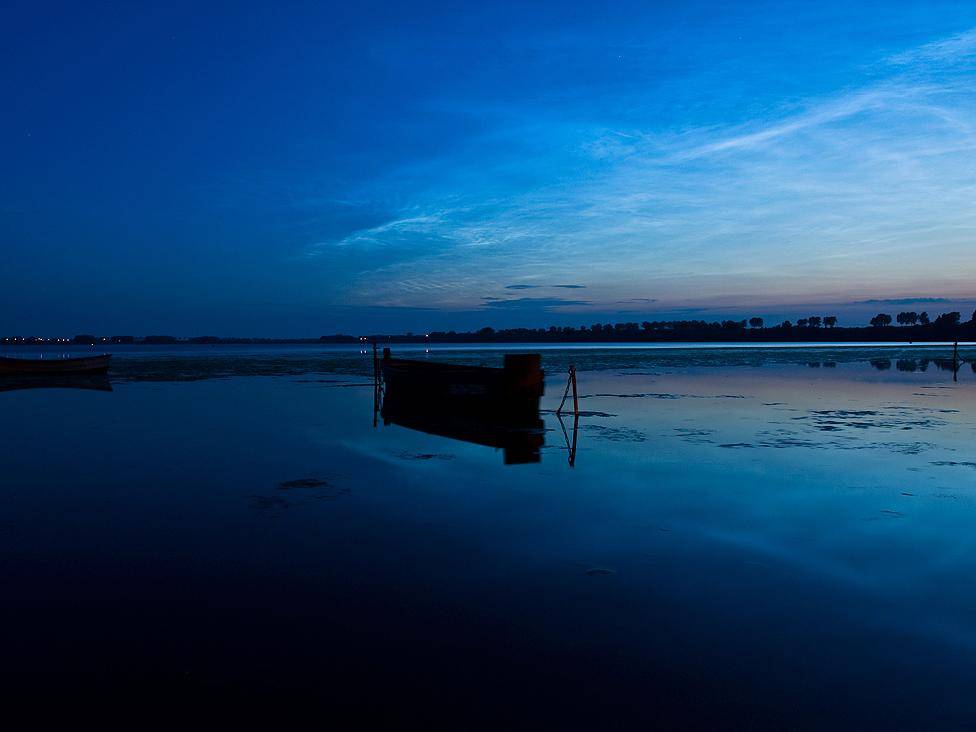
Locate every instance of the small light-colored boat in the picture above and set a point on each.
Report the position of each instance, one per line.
(56, 365)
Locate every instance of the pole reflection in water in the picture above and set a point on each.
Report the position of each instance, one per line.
(570, 444)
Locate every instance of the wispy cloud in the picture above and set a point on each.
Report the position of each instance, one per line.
(960, 48)
(869, 189)
(903, 301)
(537, 304)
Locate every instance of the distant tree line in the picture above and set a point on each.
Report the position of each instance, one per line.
(911, 327)
(947, 326)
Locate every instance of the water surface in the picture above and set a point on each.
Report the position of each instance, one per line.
(782, 536)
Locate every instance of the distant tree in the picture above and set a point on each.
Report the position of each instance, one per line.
(907, 318)
(787, 325)
(84, 339)
(814, 321)
(830, 321)
(596, 328)
(802, 323)
(902, 318)
(756, 322)
(486, 331)
(923, 318)
(973, 320)
(950, 320)
(880, 320)
(646, 326)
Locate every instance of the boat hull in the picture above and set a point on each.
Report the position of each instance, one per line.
(495, 407)
(55, 366)
(425, 387)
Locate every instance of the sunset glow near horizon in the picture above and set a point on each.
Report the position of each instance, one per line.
(380, 167)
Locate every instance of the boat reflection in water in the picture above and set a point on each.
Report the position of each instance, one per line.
(487, 406)
(18, 382)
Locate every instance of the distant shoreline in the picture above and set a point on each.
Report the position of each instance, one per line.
(890, 337)
(947, 327)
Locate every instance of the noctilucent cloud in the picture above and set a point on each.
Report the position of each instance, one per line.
(260, 169)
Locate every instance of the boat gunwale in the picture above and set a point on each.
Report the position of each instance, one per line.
(404, 365)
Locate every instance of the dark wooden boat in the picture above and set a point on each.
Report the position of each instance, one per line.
(425, 387)
(54, 365)
(495, 407)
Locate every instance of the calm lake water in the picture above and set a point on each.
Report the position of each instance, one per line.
(765, 537)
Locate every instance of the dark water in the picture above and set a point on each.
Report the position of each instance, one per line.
(765, 538)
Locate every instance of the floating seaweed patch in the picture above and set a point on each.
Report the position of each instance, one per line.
(615, 434)
(303, 483)
(424, 456)
(644, 395)
(695, 435)
(318, 489)
(954, 463)
(581, 413)
(784, 438)
(666, 395)
(902, 418)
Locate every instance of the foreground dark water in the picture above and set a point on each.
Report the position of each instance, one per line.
(751, 538)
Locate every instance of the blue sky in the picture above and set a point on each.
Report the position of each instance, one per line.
(303, 169)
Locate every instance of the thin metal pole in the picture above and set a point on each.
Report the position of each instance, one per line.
(572, 376)
(559, 409)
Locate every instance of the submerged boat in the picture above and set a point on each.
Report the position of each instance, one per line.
(55, 365)
(433, 387)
